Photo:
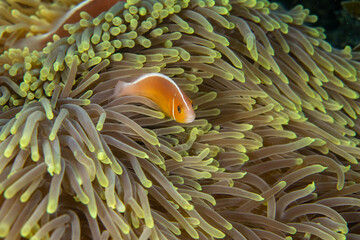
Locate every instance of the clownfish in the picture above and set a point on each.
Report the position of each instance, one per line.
(163, 91)
(92, 7)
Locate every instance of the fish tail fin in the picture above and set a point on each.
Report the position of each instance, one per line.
(119, 89)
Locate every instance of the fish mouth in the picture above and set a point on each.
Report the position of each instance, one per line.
(189, 119)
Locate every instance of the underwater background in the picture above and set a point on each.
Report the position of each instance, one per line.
(341, 24)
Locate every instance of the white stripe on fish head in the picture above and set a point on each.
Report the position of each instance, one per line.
(173, 108)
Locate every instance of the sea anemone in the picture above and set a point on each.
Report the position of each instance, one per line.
(272, 154)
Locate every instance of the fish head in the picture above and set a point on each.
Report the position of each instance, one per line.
(182, 109)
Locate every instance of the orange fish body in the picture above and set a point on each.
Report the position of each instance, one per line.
(163, 91)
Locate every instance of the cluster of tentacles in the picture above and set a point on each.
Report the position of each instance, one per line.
(272, 154)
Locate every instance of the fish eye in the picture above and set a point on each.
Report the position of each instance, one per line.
(179, 109)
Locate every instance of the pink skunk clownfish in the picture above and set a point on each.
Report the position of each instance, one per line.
(163, 91)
